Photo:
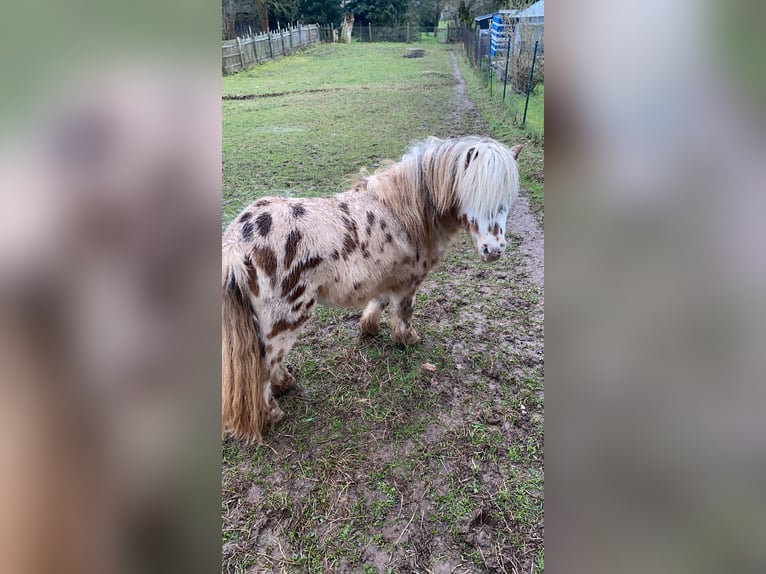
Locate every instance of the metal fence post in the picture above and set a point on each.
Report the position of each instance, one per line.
(529, 85)
(507, 58)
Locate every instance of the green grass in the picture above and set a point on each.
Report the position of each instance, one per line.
(382, 465)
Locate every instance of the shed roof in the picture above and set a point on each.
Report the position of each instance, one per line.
(536, 10)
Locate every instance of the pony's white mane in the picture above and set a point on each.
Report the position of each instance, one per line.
(480, 172)
(437, 177)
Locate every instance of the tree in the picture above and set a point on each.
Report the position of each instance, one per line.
(228, 17)
(379, 12)
(320, 11)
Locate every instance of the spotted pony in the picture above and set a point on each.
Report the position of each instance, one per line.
(373, 245)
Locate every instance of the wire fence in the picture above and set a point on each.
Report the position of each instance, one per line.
(407, 33)
(510, 64)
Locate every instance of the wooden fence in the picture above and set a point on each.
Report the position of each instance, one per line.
(243, 53)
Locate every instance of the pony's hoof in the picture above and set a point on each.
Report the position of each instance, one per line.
(286, 384)
(409, 337)
(277, 415)
(369, 327)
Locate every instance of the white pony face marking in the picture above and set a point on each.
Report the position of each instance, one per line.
(488, 234)
(489, 185)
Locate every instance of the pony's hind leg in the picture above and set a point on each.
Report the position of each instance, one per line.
(281, 380)
(402, 332)
(369, 324)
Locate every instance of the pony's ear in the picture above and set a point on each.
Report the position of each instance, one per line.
(515, 150)
(469, 157)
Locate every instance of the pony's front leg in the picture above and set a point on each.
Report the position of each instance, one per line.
(402, 332)
(369, 324)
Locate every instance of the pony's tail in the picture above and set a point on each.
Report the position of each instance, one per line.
(243, 404)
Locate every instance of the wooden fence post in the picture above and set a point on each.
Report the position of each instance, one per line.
(271, 50)
(369, 25)
(241, 56)
(408, 32)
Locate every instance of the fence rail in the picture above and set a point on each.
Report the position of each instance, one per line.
(243, 53)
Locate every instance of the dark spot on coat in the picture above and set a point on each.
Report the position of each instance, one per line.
(297, 210)
(245, 216)
(495, 230)
(382, 224)
(365, 252)
(286, 325)
(252, 276)
(344, 207)
(262, 202)
(291, 247)
(266, 259)
(295, 293)
(468, 157)
(474, 226)
(357, 286)
(351, 226)
(247, 231)
(370, 218)
(389, 238)
(368, 230)
(335, 255)
(405, 308)
(310, 304)
(263, 223)
(349, 244)
(297, 307)
(292, 278)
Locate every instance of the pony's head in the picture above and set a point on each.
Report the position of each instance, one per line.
(486, 185)
(472, 179)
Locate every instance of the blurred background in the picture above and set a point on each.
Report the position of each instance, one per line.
(655, 252)
(109, 254)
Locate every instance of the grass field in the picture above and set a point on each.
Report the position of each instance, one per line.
(420, 459)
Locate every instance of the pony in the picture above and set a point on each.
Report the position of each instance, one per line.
(372, 245)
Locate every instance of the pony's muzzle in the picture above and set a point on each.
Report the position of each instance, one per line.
(492, 251)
